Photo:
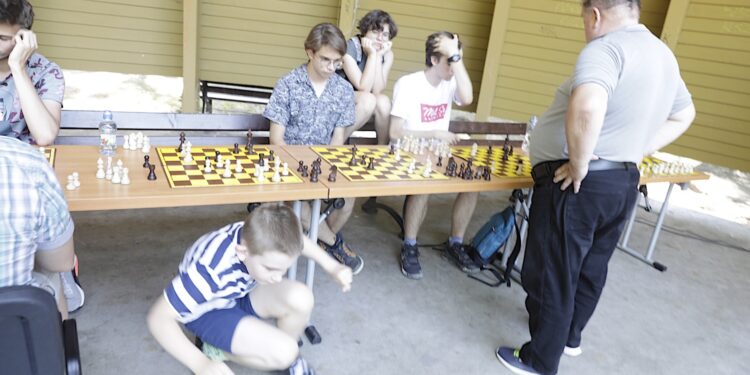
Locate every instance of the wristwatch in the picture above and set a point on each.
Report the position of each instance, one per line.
(454, 58)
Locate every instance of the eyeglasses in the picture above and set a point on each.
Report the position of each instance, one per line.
(337, 64)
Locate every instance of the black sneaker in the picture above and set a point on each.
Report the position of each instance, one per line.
(341, 252)
(410, 262)
(457, 253)
(298, 367)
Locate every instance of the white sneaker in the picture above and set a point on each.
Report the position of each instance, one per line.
(73, 292)
(573, 352)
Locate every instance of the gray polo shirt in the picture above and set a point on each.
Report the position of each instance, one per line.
(641, 76)
(307, 118)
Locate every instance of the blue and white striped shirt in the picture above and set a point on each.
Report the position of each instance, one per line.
(33, 213)
(211, 276)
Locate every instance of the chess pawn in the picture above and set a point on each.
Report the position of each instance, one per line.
(125, 180)
(71, 185)
(219, 161)
(276, 177)
(146, 145)
(119, 163)
(237, 166)
(260, 177)
(397, 156)
(100, 172)
(227, 170)
(285, 169)
(116, 175)
(109, 173)
(207, 165)
(276, 162)
(126, 142)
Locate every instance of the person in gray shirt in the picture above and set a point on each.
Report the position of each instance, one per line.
(625, 99)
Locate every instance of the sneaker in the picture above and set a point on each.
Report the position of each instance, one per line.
(457, 253)
(72, 289)
(410, 262)
(341, 252)
(572, 352)
(511, 359)
(299, 367)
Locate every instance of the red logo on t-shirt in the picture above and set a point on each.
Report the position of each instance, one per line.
(432, 113)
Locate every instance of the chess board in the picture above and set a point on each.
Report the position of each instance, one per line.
(49, 154)
(387, 168)
(498, 166)
(191, 174)
(653, 166)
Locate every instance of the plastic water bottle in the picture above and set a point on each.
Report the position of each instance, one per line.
(107, 135)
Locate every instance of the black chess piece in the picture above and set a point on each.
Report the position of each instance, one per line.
(353, 161)
(363, 160)
(487, 175)
(249, 144)
(354, 149)
(371, 166)
(332, 175)
(151, 172)
(145, 161)
(440, 162)
(304, 171)
(314, 176)
(489, 150)
(262, 159)
(461, 171)
(182, 142)
(392, 150)
(217, 154)
(301, 166)
(236, 148)
(270, 154)
(510, 152)
(505, 156)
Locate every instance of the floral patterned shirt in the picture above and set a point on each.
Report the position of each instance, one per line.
(49, 82)
(307, 118)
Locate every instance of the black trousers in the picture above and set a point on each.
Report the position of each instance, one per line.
(570, 241)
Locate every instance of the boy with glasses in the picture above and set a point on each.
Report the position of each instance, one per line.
(313, 106)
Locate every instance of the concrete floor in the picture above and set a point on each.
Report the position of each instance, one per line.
(688, 320)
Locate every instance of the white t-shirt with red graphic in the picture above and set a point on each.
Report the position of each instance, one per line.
(423, 106)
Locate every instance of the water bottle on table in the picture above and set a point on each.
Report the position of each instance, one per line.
(107, 135)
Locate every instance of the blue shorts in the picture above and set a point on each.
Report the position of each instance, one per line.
(217, 327)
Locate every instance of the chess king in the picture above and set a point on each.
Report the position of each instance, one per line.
(421, 109)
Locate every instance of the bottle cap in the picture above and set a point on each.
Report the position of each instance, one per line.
(107, 115)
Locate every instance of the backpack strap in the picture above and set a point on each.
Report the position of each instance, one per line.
(511, 262)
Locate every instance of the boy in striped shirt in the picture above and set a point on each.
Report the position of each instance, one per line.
(230, 282)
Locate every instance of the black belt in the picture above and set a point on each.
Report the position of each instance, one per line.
(547, 168)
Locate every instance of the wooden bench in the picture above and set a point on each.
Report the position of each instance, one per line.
(210, 91)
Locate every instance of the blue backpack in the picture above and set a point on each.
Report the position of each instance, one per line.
(487, 244)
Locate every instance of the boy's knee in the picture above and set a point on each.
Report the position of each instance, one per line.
(300, 298)
(366, 102)
(383, 104)
(278, 353)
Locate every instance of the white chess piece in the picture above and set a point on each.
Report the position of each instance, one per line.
(71, 185)
(125, 179)
(285, 169)
(227, 170)
(207, 165)
(109, 173)
(42, 149)
(398, 155)
(412, 165)
(276, 162)
(276, 177)
(146, 145)
(188, 155)
(100, 168)
(119, 163)
(474, 149)
(259, 176)
(76, 180)
(237, 165)
(219, 161)
(126, 142)
(116, 175)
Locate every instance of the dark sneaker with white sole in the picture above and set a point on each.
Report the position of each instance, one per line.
(511, 359)
(462, 260)
(410, 262)
(344, 254)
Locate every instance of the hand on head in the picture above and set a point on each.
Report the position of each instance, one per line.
(448, 46)
(26, 45)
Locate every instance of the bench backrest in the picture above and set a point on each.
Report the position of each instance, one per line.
(81, 127)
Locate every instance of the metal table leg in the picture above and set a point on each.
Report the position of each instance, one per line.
(648, 257)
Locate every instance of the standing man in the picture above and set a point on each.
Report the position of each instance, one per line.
(313, 106)
(625, 99)
(31, 94)
(422, 109)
